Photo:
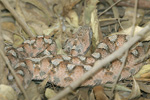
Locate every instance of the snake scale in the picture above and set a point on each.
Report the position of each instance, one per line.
(36, 59)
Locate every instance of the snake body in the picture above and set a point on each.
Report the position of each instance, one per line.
(37, 59)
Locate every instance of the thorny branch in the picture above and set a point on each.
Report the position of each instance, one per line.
(101, 63)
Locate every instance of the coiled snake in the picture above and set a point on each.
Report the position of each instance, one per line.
(36, 59)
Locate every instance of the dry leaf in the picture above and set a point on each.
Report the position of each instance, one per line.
(72, 18)
(38, 26)
(91, 5)
(144, 87)
(135, 90)
(99, 93)
(42, 85)
(144, 69)
(129, 13)
(117, 96)
(96, 30)
(17, 41)
(49, 93)
(68, 5)
(51, 31)
(92, 97)
(8, 28)
(119, 87)
(82, 93)
(7, 92)
(59, 46)
(43, 6)
(32, 92)
(128, 30)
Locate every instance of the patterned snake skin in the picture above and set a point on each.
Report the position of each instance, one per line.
(37, 59)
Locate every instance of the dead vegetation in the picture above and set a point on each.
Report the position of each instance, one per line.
(24, 19)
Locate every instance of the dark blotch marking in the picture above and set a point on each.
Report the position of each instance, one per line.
(126, 68)
(97, 81)
(132, 71)
(56, 80)
(42, 73)
(114, 77)
(68, 79)
(31, 54)
(109, 73)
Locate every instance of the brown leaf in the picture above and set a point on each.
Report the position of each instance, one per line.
(117, 96)
(32, 92)
(17, 41)
(99, 93)
(144, 87)
(97, 36)
(82, 93)
(7, 29)
(72, 18)
(88, 9)
(43, 6)
(7, 92)
(92, 97)
(49, 93)
(42, 85)
(129, 13)
(135, 90)
(144, 69)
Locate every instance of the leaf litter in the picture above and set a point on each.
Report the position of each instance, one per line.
(59, 19)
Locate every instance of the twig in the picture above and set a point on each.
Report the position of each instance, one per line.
(139, 79)
(2, 66)
(18, 18)
(109, 8)
(101, 63)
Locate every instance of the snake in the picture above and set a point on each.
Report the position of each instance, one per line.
(37, 59)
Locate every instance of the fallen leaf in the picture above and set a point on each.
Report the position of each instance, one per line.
(99, 93)
(7, 92)
(82, 93)
(49, 93)
(88, 9)
(144, 69)
(97, 35)
(117, 96)
(32, 92)
(43, 6)
(129, 14)
(42, 85)
(17, 41)
(119, 87)
(135, 90)
(92, 97)
(72, 18)
(144, 87)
